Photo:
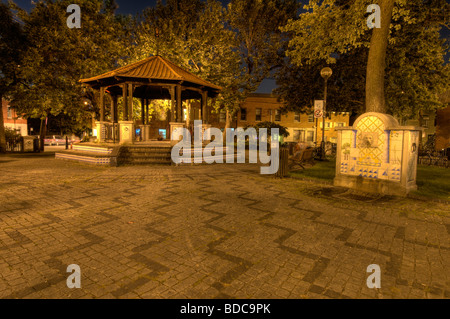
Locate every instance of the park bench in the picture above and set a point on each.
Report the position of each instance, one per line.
(306, 157)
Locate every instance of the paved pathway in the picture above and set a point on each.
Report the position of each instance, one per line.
(209, 231)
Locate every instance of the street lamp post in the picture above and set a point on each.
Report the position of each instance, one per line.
(325, 73)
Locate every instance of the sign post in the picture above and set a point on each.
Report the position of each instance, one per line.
(318, 113)
(318, 108)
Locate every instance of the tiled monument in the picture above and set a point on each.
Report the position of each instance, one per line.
(377, 155)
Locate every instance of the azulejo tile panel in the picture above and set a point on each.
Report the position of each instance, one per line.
(375, 151)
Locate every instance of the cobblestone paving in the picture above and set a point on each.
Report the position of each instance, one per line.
(209, 231)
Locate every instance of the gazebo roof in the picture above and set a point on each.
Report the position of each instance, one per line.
(152, 68)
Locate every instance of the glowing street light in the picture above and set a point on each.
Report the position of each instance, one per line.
(325, 73)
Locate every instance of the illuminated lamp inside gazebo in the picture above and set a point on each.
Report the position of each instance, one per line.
(153, 78)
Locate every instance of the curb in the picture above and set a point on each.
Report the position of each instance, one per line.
(424, 198)
(317, 181)
(411, 196)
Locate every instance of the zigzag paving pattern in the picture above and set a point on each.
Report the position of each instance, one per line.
(209, 231)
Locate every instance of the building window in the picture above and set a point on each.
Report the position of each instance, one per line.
(299, 135)
(9, 112)
(310, 136)
(425, 123)
(222, 116)
(311, 118)
(277, 115)
(340, 124)
(243, 114)
(297, 117)
(258, 115)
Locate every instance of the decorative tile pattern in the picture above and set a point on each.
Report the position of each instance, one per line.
(373, 152)
(371, 155)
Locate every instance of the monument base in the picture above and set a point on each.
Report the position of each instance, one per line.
(376, 186)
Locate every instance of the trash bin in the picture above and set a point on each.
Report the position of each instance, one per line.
(28, 143)
(283, 166)
(36, 144)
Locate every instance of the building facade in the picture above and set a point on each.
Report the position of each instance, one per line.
(12, 120)
(259, 107)
(429, 121)
(442, 128)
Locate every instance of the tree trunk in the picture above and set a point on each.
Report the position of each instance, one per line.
(376, 63)
(228, 120)
(2, 129)
(42, 132)
(420, 117)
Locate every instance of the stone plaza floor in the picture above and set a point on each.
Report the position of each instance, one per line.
(209, 231)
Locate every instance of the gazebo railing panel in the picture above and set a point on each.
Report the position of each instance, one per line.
(110, 132)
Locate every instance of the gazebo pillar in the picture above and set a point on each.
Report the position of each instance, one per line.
(177, 122)
(114, 117)
(144, 127)
(100, 125)
(147, 121)
(130, 102)
(179, 117)
(125, 102)
(188, 113)
(126, 127)
(102, 104)
(204, 107)
(147, 103)
(205, 124)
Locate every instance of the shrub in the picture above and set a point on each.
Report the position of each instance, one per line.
(11, 133)
(282, 130)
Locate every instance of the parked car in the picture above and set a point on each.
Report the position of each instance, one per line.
(54, 140)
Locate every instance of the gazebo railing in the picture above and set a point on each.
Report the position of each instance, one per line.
(110, 132)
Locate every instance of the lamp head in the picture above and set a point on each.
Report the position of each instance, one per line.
(326, 73)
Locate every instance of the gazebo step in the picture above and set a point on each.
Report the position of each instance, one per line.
(144, 161)
(149, 153)
(137, 155)
(84, 158)
(146, 150)
(144, 158)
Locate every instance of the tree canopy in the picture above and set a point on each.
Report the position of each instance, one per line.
(58, 56)
(13, 43)
(192, 34)
(335, 33)
(235, 47)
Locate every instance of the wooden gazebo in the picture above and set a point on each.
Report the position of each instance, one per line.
(148, 79)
